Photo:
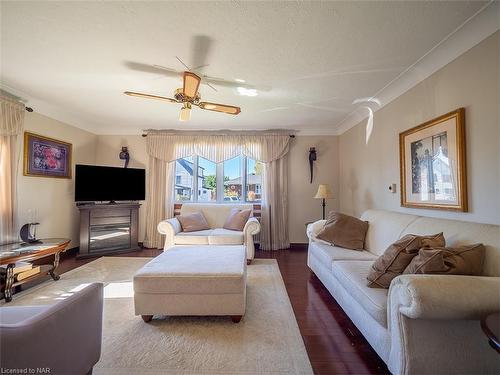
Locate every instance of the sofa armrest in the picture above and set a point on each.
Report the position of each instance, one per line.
(169, 228)
(314, 228)
(66, 337)
(445, 296)
(427, 313)
(252, 227)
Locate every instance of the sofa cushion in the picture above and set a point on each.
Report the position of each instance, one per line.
(385, 228)
(463, 260)
(237, 219)
(193, 238)
(221, 236)
(344, 231)
(459, 233)
(398, 256)
(328, 253)
(193, 222)
(215, 213)
(194, 270)
(352, 276)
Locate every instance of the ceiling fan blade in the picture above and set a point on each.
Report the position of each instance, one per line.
(191, 84)
(182, 62)
(152, 69)
(200, 67)
(148, 96)
(168, 71)
(200, 47)
(229, 109)
(209, 85)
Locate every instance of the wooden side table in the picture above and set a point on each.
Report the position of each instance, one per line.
(491, 327)
(28, 252)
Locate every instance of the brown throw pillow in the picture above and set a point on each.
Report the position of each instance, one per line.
(237, 219)
(193, 222)
(463, 260)
(344, 231)
(398, 256)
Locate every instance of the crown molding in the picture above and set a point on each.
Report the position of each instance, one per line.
(473, 31)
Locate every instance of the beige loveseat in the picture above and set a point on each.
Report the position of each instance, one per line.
(424, 324)
(216, 215)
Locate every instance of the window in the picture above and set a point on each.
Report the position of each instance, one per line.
(207, 180)
(233, 188)
(201, 180)
(254, 180)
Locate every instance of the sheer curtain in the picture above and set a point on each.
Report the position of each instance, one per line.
(11, 125)
(270, 148)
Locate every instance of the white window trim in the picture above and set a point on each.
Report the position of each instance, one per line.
(219, 178)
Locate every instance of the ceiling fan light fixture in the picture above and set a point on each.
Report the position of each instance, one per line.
(185, 113)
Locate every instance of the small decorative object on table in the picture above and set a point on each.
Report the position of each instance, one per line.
(323, 193)
(28, 233)
(46, 157)
(432, 163)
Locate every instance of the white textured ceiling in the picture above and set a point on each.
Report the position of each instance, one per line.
(313, 58)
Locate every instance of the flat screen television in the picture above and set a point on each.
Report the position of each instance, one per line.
(94, 183)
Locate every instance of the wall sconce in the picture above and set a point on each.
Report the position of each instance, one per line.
(124, 155)
(312, 159)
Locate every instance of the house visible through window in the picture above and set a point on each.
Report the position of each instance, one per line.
(235, 180)
(184, 172)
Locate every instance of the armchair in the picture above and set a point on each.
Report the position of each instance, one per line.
(65, 337)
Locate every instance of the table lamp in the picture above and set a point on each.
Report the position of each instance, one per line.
(324, 192)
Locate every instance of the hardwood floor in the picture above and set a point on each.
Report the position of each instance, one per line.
(333, 343)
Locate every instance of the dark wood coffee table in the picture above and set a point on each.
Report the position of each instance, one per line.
(28, 252)
(491, 327)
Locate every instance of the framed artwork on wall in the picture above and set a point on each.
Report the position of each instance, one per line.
(46, 157)
(433, 164)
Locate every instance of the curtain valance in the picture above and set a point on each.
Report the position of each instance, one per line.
(11, 116)
(264, 147)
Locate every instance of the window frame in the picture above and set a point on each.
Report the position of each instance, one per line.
(219, 178)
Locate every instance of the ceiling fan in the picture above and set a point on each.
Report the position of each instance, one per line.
(188, 96)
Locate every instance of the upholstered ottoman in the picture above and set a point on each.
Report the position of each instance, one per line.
(193, 280)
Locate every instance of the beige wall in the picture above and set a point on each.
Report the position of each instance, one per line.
(53, 198)
(107, 151)
(471, 81)
(302, 206)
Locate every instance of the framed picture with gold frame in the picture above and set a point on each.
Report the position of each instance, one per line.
(433, 164)
(46, 157)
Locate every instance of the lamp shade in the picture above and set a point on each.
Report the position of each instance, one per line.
(323, 192)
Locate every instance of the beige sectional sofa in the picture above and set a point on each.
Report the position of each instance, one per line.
(424, 324)
(216, 215)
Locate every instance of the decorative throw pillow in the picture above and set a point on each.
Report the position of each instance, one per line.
(398, 256)
(463, 260)
(237, 219)
(344, 231)
(193, 222)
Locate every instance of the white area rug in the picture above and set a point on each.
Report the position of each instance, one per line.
(266, 341)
